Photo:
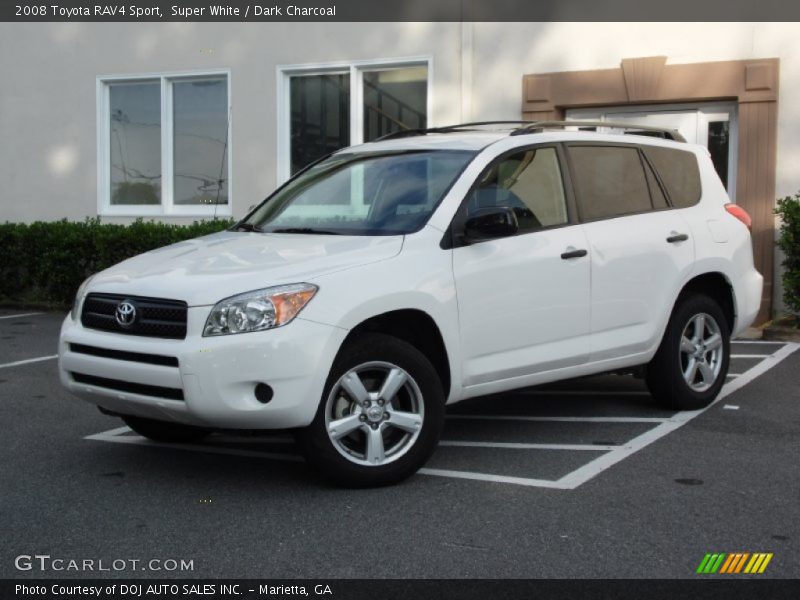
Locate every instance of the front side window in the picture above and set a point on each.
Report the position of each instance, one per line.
(529, 182)
(610, 181)
(164, 145)
(350, 104)
(363, 194)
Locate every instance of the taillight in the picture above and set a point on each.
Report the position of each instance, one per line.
(740, 213)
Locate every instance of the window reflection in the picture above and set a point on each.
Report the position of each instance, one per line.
(135, 143)
(200, 128)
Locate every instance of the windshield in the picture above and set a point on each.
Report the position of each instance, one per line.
(362, 194)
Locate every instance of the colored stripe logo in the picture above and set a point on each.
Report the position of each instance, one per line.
(734, 563)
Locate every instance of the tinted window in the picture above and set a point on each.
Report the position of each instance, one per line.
(610, 181)
(530, 183)
(679, 172)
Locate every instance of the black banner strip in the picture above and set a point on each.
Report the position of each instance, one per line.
(699, 588)
(400, 10)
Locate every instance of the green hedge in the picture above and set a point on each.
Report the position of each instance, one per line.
(789, 242)
(45, 262)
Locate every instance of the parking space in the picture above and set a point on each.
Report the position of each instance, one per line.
(529, 451)
(558, 436)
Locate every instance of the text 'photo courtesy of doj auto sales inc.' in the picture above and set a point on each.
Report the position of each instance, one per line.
(169, 590)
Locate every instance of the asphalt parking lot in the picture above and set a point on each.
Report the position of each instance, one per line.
(585, 478)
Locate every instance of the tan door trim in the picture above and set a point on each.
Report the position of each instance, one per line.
(753, 84)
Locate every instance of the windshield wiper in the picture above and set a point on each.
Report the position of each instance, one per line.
(304, 230)
(247, 227)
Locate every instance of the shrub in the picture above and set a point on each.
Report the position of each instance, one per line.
(789, 242)
(45, 262)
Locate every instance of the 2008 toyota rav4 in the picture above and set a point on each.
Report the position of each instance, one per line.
(393, 278)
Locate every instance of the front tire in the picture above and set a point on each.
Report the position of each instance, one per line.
(162, 431)
(691, 363)
(380, 415)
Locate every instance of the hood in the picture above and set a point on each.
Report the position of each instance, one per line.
(205, 270)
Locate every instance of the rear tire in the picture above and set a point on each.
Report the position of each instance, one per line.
(380, 415)
(690, 366)
(163, 431)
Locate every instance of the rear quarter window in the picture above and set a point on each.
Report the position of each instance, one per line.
(679, 173)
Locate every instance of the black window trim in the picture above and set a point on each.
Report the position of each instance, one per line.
(453, 237)
(642, 158)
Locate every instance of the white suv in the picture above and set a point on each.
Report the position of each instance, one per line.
(395, 277)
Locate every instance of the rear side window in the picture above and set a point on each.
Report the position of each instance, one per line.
(679, 173)
(611, 181)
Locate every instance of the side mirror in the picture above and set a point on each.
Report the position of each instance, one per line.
(491, 223)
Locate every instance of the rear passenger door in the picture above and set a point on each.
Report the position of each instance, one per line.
(523, 300)
(641, 250)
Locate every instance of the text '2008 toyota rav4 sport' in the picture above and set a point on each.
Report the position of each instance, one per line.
(393, 278)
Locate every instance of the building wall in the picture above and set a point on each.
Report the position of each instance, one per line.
(48, 106)
(48, 73)
(554, 47)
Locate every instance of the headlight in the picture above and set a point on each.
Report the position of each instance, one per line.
(258, 310)
(76, 304)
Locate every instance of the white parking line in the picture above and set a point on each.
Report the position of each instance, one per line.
(524, 446)
(601, 463)
(750, 355)
(561, 419)
(28, 361)
(21, 315)
(611, 454)
(535, 392)
(757, 342)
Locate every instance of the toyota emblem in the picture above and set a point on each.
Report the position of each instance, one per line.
(125, 313)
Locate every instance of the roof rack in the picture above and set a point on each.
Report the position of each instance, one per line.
(539, 126)
(448, 129)
(526, 127)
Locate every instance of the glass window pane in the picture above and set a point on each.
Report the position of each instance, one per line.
(386, 193)
(394, 100)
(679, 172)
(528, 182)
(135, 142)
(718, 147)
(610, 181)
(200, 145)
(319, 116)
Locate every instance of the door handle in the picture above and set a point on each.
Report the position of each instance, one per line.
(573, 254)
(678, 237)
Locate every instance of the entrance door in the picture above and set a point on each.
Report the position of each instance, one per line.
(710, 125)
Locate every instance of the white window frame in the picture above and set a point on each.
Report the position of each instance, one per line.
(167, 207)
(355, 69)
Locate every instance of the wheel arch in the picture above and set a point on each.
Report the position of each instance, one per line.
(717, 286)
(416, 327)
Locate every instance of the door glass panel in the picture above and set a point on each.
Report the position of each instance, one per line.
(319, 116)
(679, 171)
(200, 144)
(135, 142)
(610, 181)
(395, 100)
(530, 183)
(718, 147)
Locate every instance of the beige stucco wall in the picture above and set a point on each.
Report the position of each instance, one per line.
(48, 73)
(48, 108)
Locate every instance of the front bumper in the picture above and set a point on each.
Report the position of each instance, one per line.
(216, 376)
